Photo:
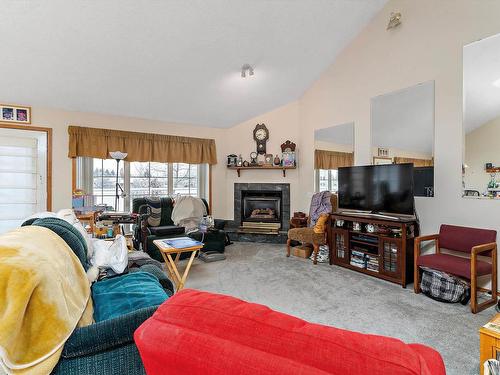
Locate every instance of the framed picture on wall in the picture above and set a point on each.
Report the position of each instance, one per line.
(379, 160)
(15, 114)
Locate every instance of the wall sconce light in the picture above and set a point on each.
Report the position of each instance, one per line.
(246, 69)
(394, 21)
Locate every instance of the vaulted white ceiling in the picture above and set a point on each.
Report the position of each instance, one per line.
(176, 61)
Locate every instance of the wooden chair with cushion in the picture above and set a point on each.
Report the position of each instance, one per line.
(315, 235)
(470, 242)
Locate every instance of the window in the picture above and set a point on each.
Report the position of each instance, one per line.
(23, 175)
(185, 179)
(104, 182)
(140, 179)
(148, 179)
(327, 180)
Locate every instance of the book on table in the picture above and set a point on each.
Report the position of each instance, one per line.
(181, 242)
(493, 324)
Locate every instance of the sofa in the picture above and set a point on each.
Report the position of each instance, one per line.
(107, 347)
(144, 234)
(197, 332)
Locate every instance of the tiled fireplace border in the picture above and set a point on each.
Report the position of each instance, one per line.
(285, 191)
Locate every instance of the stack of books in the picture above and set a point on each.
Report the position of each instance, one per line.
(358, 259)
(390, 257)
(340, 246)
(372, 262)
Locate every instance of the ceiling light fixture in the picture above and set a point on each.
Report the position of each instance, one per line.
(246, 69)
(496, 83)
(394, 21)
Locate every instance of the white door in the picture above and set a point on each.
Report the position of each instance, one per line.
(23, 175)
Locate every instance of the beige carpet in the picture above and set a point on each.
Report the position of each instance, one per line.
(345, 299)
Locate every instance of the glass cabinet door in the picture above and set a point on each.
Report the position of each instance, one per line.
(340, 245)
(390, 256)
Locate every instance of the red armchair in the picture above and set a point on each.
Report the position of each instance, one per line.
(200, 333)
(467, 241)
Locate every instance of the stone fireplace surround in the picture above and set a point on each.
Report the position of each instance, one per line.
(285, 212)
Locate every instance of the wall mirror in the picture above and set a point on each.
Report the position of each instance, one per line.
(402, 124)
(334, 148)
(481, 118)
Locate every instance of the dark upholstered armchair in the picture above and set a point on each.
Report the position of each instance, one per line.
(145, 234)
(473, 242)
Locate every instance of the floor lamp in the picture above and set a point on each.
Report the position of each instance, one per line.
(118, 155)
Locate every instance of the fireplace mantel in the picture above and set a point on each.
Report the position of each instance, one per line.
(263, 167)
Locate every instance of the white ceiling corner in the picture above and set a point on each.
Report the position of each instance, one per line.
(174, 61)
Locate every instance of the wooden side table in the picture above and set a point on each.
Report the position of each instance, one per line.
(171, 263)
(489, 342)
(88, 217)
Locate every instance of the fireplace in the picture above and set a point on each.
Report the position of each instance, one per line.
(261, 208)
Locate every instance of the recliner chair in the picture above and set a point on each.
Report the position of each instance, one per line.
(145, 234)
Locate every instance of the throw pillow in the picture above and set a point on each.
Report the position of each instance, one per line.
(320, 225)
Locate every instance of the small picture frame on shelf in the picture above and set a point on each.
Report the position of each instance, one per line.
(15, 114)
(288, 159)
(379, 160)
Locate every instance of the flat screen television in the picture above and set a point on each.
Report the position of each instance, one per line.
(377, 188)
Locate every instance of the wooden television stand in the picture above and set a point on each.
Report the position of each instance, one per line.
(388, 256)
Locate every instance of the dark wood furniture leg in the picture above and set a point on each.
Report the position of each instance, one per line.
(288, 247)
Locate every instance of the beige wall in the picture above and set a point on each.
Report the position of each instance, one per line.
(427, 46)
(59, 120)
(281, 122)
(283, 125)
(482, 145)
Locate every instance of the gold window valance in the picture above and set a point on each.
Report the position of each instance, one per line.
(416, 162)
(98, 143)
(332, 159)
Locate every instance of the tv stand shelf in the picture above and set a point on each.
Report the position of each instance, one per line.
(388, 256)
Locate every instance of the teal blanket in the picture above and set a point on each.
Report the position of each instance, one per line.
(123, 294)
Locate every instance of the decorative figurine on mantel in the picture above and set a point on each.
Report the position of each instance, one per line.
(288, 146)
(288, 154)
(277, 160)
(253, 159)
